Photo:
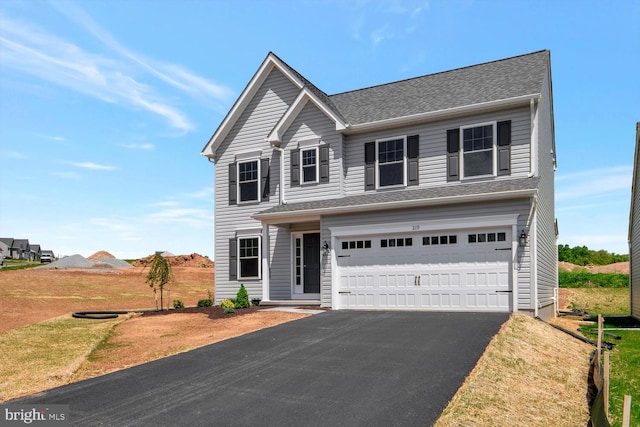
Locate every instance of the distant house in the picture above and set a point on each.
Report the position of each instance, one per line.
(34, 252)
(20, 249)
(634, 231)
(431, 193)
(5, 245)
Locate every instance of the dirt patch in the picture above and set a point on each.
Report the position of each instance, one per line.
(151, 336)
(530, 374)
(32, 295)
(193, 260)
(100, 255)
(618, 267)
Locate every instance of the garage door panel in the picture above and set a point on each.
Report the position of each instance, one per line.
(462, 274)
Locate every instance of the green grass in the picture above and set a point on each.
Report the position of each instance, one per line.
(625, 357)
(584, 279)
(18, 264)
(611, 301)
(625, 377)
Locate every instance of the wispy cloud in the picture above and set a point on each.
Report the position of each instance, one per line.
(594, 183)
(110, 224)
(114, 79)
(169, 203)
(55, 138)
(204, 194)
(383, 20)
(67, 175)
(138, 146)
(199, 218)
(16, 155)
(93, 166)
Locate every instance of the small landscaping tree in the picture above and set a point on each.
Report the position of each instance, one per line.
(242, 298)
(160, 274)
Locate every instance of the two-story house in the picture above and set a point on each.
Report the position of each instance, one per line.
(431, 193)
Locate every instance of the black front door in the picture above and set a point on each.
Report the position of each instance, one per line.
(311, 258)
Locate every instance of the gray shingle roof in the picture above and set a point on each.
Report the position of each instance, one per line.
(326, 99)
(491, 81)
(426, 195)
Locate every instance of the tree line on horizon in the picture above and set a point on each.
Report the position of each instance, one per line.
(582, 255)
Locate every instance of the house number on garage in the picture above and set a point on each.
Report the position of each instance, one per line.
(416, 227)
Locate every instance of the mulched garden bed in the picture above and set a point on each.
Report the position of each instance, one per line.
(213, 312)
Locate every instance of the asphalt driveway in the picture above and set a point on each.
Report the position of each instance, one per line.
(338, 368)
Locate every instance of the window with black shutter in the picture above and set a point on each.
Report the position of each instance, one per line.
(392, 162)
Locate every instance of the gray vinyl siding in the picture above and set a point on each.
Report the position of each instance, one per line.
(378, 219)
(546, 242)
(280, 263)
(433, 144)
(313, 123)
(634, 233)
(249, 133)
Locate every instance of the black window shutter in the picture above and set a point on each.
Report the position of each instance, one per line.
(370, 166)
(233, 259)
(264, 179)
(324, 163)
(453, 154)
(295, 167)
(504, 147)
(233, 184)
(413, 156)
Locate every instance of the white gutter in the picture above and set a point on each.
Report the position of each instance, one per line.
(440, 114)
(283, 201)
(277, 216)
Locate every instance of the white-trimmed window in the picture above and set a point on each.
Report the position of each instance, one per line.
(249, 258)
(249, 178)
(248, 181)
(309, 164)
(392, 161)
(478, 150)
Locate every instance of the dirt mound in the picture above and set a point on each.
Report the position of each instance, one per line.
(101, 255)
(618, 267)
(73, 261)
(193, 260)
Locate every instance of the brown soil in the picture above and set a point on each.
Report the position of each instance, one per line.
(618, 267)
(33, 295)
(151, 336)
(193, 260)
(100, 255)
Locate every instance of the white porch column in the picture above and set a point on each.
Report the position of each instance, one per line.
(265, 263)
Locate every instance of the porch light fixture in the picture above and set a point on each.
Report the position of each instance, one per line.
(522, 240)
(325, 248)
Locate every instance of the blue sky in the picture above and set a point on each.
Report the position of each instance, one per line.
(106, 105)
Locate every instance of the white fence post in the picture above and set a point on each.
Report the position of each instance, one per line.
(626, 411)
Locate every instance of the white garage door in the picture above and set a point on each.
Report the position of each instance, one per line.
(457, 270)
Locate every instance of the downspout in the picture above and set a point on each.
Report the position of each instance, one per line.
(533, 146)
(533, 251)
(283, 200)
